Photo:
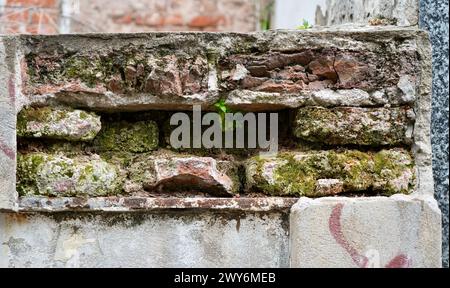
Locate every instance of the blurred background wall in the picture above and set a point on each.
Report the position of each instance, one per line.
(78, 16)
(75, 16)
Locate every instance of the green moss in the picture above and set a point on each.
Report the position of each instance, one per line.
(83, 115)
(234, 171)
(120, 158)
(28, 167)
(342, 126)
(31, 114)
(58, 175)
(297, 174)
(84, 69)
(58, 123)
(213, 56)
(135, 137)
(296, 177)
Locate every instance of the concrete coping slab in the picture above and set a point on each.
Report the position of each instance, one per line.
(129, 204)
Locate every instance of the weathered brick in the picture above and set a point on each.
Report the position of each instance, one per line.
(175, 71)
(141, 136)
(315, 174)
(59, 175)
(53, 123)
(359, 126)
(183, 173)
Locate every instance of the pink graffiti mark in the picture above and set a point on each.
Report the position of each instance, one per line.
(336, 230)
(400, 261)
(7, 150)
(334, 223)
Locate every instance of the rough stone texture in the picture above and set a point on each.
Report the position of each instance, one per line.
(142, 136)
(154, 204)
(274, 69)
(8, 195)
(144, 240)
(71, 125)
(401, 12)
(359, 126)
(434, 18)
(324, 173)
(379, 68)
(400, 231)
(58, 175)
(183, 173)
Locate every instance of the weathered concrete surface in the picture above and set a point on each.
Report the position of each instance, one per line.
(175, 71)
(8, 195)
(401, 12)
(144, 240)
(400, 231)
(71, 125)
(127, 204)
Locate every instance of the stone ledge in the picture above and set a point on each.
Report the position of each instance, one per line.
(393, 232)
(129, 204)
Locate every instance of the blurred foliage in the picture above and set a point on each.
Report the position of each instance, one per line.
(305, 25)
(266, 16)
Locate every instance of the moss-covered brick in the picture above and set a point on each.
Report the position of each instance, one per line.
(59, 175)
(302, 174)
(58, 123)
(358, 126)
(136, 137)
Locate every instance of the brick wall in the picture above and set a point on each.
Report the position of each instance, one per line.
(93, 134)
(64, 16)
(29, 16)
(169, 15)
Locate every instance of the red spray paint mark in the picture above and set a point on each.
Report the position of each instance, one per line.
(7, 150)
(400, 261)
(334, 222)
(336, 230)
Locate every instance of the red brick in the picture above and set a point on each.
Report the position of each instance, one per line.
(124, 19)
(204, 21)
(149, 20)
(18, 16)
(43, 17)
(33, 3)
(12, 28)
(174, 20)
(32, 29)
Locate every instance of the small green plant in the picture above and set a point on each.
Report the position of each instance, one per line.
(222, 109)
(305, 25)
